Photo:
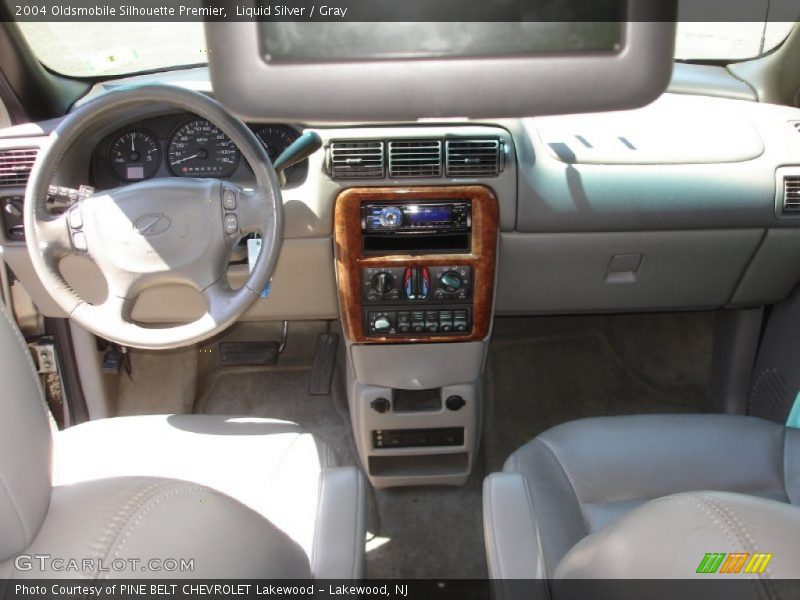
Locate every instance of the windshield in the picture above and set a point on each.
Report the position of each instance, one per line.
(728, 41)
(106, 49)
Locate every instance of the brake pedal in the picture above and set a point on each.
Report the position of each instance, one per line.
(324, 364)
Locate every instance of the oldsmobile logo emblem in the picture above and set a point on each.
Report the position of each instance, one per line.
(152, 224)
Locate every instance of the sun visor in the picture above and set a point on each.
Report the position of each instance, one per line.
(389, 61)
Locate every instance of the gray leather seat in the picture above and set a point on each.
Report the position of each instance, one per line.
(230, 497)
(584, 498)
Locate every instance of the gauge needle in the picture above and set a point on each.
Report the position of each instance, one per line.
(133, 148)
(177, 162)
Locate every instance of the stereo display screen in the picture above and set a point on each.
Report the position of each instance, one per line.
(420, 213)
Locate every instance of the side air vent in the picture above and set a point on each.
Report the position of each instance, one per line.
(16, 165)
(791, 193)
(415, 158)
(473, 158)
(356, 160)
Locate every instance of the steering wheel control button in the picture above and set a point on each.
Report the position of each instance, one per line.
(229, 199)
(231, 223)
(75, 218)
(79, 241)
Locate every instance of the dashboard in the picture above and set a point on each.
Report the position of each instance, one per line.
(686, 203)
(184, 145)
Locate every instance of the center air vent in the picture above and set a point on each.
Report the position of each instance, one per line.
(356, 160)
(415, 158)
(473, 158)
(791, 193)
(16, 165)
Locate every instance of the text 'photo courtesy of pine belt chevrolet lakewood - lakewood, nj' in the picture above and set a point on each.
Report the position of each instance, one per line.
(491, 300)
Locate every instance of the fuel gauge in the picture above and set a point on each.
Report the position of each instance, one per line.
(134, 155)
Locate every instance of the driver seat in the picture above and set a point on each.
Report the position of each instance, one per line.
(189, 496)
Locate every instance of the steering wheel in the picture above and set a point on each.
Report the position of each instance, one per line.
(155, 232)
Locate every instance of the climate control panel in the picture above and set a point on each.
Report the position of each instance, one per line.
(419, 284)
(420, 300)
(445, 321)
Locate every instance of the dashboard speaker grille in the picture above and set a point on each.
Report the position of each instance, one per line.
(473, 158)
(791, 193)
(16, 165)
(415, 158)
(356, 160)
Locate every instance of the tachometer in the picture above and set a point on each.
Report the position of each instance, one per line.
(199, 149)
(134, 155)
(276, 138)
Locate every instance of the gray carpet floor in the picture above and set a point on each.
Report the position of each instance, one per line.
(541, 372)
(162, 382)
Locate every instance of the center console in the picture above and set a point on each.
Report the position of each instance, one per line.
(416, 270)
(416, 265)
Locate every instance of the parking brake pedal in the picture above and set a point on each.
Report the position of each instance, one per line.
(324, 364)
(253, 353)
(248, 353)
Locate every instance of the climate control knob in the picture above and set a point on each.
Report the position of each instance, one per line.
(382, 324)
(383, 283)
(451, 281)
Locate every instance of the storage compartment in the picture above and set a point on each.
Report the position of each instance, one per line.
(449, 243)
(401, 445)
(774, 271)
(436, 465)
(410, 401)
(622, 271)
(417, 366)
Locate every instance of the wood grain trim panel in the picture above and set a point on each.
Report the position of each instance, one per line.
(350, 258)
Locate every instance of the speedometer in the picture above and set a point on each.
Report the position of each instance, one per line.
(199, 149)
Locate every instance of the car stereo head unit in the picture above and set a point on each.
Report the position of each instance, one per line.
(420, 217)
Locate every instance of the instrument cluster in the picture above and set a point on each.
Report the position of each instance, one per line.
(184, 145)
